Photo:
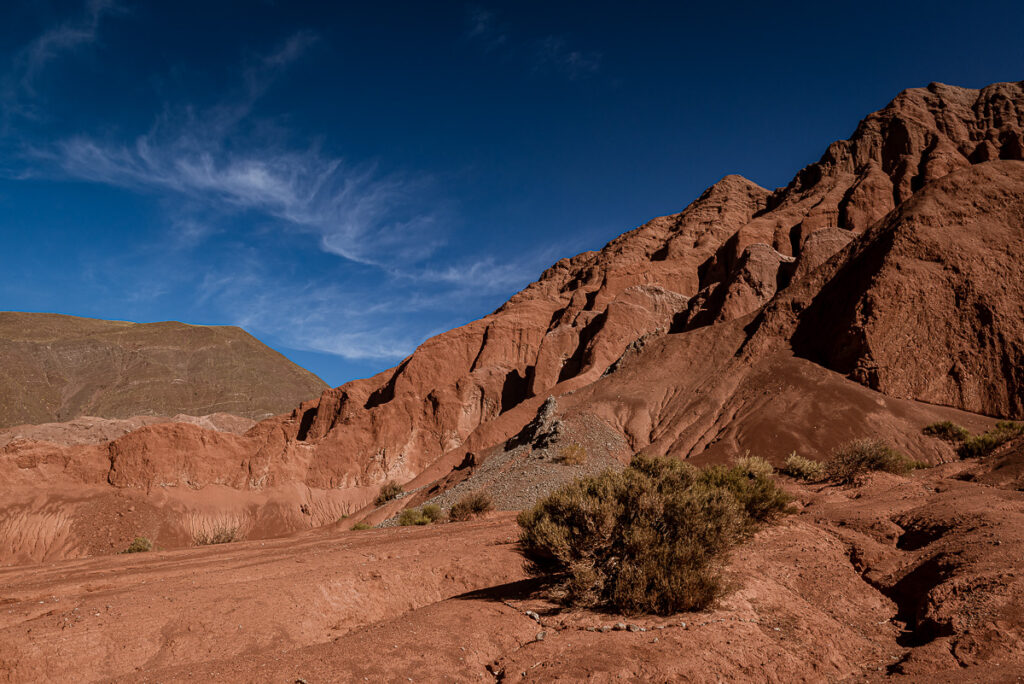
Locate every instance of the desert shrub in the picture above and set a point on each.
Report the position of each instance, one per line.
(947, 430)
(754, 465)
(574, 454)
(388, 491)
(802, 468)
(850, 461)
(757, 493)
(980, 445)
(470, 506)
(650, 538)
(139, 545)
(362, 526)
(432, 512)
(412, 516)
(420, 516)
(218, 535)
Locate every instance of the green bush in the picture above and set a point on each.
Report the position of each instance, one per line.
(388, 491)
(470, 506)
(802, 468)
(362, 526)
(947, 430)
(139, 545)
(850, 461)
(648, 539)
(981, 445)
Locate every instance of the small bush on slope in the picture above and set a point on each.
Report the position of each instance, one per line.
(754, 465)
(802, 468)
(219, 535)
(412, 516)
(362, 526)
(388, 491)
(139, 545)
(420, 516)
(981, 445)
(432, 512)
(947, 430)
(648, 539)
(470, 506)
(850, 461)
(574, 454)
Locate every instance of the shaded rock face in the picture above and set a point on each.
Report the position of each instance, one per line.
(55, 368)
(931, 305)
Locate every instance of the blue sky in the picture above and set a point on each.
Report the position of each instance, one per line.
(346, 179)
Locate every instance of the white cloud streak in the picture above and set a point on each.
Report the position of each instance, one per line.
(18, 96)
(66, 37)
(209, 164)
(356, 213)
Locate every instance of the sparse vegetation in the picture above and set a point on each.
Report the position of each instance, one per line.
(470, 506)
(432, 512)
(803, 468)
(139, 545)
(420, 516)
(218, 535)
(388, 491)
(983, 444)
(412, 516)
(573, 454)
(851, 461)
(947, 430)
(362, 526)
(650, 538)
(755, 465)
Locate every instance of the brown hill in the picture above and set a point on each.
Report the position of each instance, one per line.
(54, 368)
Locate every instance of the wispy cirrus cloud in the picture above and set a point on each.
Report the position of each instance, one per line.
(18, 85)
(249, 213)
(207, 156)
(554, 52)
(65, 37)
(549, 53)
(482, 26)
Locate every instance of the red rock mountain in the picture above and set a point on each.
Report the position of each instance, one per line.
(898, 255)
(881, 290)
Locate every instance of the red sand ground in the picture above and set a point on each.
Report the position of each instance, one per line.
(915, 577)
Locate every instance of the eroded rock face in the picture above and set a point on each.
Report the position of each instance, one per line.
(930, 304)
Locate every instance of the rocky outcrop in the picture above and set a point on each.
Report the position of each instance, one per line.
(929, 305)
